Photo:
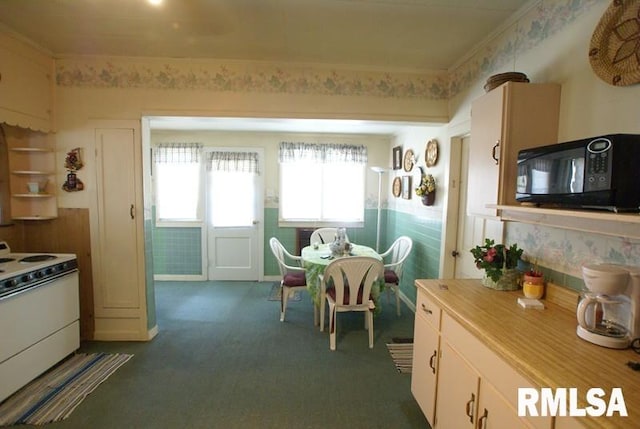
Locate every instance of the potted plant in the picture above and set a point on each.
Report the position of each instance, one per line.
(427, 189)
(499, 263)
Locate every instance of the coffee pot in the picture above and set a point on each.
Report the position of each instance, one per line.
(609, 309)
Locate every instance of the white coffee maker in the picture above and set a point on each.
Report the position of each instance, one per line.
(609, 309)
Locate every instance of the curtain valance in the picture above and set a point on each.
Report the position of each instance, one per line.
(322, 153)
(177, 153)
(246, 162)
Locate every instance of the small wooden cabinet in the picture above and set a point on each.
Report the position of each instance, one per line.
(31, 174)
(26, 85)
(511, 117)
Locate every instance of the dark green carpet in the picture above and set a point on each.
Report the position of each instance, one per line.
(222, 359)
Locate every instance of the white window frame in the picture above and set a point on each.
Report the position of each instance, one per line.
(316, 223)
(178, 223)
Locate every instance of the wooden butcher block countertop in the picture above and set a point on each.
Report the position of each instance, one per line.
(542, 345)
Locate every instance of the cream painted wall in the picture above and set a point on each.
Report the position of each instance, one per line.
(550, 43)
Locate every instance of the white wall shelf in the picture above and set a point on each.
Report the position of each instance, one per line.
(592, 221)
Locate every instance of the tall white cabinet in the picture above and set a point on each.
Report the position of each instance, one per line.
(120, 289)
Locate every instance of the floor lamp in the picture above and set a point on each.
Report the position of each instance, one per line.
(380, 171)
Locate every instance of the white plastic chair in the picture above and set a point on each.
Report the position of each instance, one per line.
(346, 284)
(395, 258)
(293, 276)
(324, 235)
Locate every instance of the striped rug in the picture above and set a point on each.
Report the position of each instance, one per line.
(54, 395)
(401, 351)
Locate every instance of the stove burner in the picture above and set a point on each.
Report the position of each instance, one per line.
(3, 260)
(37, 258)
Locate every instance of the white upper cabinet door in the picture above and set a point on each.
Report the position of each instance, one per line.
(26, 86)
(512, 117)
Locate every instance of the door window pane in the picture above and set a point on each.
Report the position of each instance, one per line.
(231, 198)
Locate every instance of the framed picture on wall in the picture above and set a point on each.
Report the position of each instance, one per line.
(406, 187)
(397, 157)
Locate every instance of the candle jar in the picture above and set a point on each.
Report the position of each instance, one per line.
(533, 286)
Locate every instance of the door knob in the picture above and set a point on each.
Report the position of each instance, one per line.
(455, 253)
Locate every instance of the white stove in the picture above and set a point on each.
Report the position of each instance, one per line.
(39, 314)
(22, 271)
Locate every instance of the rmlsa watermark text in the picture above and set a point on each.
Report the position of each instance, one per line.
(564, 402)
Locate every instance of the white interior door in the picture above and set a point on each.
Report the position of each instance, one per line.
(234, 223)
(472, 230)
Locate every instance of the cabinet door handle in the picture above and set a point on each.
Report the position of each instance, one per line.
(425, 309)
(469, 409)
(431, 361)
(494, 150)
(482, 421)
(132, 212)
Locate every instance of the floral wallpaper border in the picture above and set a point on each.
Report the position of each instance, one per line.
(566, 250)
(543, 20)
(117, 73)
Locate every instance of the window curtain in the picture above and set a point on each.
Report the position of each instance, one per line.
(322, 153)
(246, 162)
(177, 153)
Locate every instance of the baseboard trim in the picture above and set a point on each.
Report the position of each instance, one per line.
(404, 298)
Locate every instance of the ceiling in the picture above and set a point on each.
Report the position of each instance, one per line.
(416, 35)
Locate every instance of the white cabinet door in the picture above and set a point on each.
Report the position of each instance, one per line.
(509, 118)
(119, 219)
(494, 412)
(426, 342)
(25, 86)
(457, 391)
(484, 153)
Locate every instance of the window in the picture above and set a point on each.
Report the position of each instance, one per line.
(322, 183)
(177, 182)
(232, 187)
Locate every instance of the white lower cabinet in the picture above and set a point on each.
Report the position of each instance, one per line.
(458, 381)
(494, 412)
(426, 346)
(458, 385)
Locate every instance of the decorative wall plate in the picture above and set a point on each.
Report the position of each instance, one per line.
(397, 187)
(431, 153)
(614, 52)
(408, 160)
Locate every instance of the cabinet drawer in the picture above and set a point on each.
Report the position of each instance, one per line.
(428, 310)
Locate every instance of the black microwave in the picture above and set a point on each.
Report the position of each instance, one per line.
(598, 172)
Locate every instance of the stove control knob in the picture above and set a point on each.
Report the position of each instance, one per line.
(39, 274)
(11, 283)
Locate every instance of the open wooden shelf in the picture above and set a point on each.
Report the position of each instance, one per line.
(593, 221)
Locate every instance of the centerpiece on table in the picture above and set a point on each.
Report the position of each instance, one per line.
(499, 263)
(340, 246)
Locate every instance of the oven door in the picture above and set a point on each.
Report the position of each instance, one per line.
(39, 328)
